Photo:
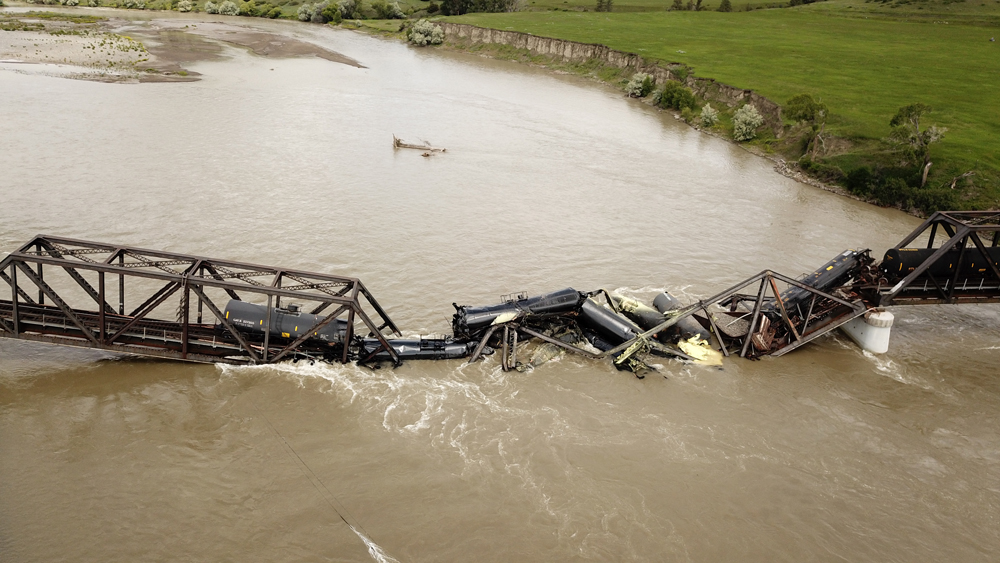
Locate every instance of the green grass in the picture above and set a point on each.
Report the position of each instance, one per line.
(863, 69)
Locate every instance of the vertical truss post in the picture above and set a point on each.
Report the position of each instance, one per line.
(121, 284)
(930, 241)
(186, 311)
(41, 294)
(753, 318)
(958, 267)
(349, 333)
(201, 274)
(13, 298)
(781, 307)
(277, 283)
(267, 327)
(504, 348)
(102, 334)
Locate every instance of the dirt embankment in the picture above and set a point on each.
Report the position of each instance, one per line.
(574, 52)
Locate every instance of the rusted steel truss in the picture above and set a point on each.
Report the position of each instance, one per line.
(960, 240)
(741, 326)
(745, 324)
(81, 311)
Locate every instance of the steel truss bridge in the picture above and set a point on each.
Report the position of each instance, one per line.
(59, 293)
(64, 291)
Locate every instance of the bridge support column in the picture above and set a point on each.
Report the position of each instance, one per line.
(871, 331)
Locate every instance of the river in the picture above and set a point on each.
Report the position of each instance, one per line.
(826, 454)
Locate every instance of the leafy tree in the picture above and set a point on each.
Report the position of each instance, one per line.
(726, 6)
(331, 13)
(746, 120)
(915, 143)
(677, 5)
(603, 5)
(675, 96)
(803, 108)
(709, 116)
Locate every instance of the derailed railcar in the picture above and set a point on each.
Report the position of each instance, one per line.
(290, 323)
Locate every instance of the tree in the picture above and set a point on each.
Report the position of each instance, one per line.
(916, 144)
(746, 120)
(604, 5)
(803, 108)
(677, 5)
(726, 6)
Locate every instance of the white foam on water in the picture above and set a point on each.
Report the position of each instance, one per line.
(475, 412)
(374, 549)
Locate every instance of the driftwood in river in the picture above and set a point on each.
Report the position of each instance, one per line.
(398, 143)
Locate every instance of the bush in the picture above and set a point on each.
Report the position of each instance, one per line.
(709, 116)
(274, 13)
(229, 8)
(459, 7)
(640, 85)
(426, 33)
(675, 96)
(72, 2)
(94, 3)
(248, 9)
(211, 7)
(331, 13)
(304, 14)
(386, 11)
(351, 9)
(726, 6)
(746, 120)
(185, 6)
(432, 8)
(133, 5)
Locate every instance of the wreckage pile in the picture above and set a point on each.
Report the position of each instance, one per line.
(600, 324)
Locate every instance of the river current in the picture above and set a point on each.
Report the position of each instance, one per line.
(549, 181)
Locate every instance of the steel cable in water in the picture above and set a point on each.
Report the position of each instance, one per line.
(375, 550)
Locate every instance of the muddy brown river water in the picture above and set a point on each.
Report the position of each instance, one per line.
(827, 454)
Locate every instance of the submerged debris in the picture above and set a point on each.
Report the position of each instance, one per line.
(398, 143)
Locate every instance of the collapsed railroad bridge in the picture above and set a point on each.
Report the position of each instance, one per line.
(64, 291)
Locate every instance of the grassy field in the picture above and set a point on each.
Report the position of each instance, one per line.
(864, 60)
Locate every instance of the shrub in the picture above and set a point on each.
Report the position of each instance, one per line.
(709, 116)
(351, 9)
(72, 2)
(133, 5)
(640, 85)
(248, 9)
(426, 33)
(432, 8)
(746, 120)
(386, 11)
(726, 6)
(229, 8)
(331, 13)
(305, 12)
(274, 13)
(94, 3)
(211, 7)
(676, 96)
(185, 6)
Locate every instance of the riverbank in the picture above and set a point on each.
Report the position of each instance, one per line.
(847, 63)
